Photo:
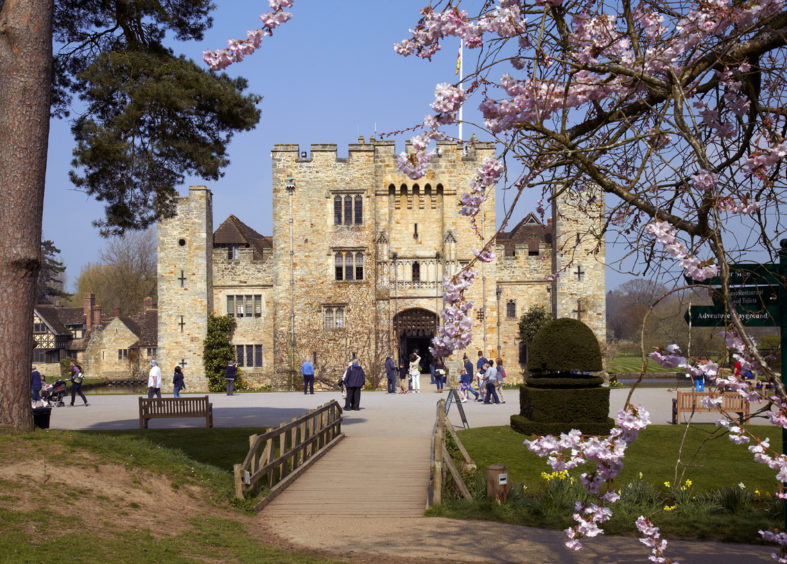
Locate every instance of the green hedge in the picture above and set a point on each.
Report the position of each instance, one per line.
(564, 404)
(526, 426)
(572, 381)
(563, 345)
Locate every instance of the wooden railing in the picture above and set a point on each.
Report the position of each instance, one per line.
(441, 460)
(277, 457)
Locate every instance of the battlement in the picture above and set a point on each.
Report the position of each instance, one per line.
(380, 149)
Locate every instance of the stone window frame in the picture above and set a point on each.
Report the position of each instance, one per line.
(122, 354)
(251, 351)
(349, 264)
(151, 352)
(330, 316)
(347, 207)
(511, 309)
(239, 308)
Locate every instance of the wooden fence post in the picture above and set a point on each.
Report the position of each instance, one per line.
(237, 471)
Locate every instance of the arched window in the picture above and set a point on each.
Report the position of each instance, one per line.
(511, 309)
(358, 210)
(416, 272)
(403, 190)
(428, 191)
(439, 189)
(337, 210)
(348, 210)
(391, 190)
(348, 266)
(416, 190)
(339, 267)
(359, 266)
(329, 318)
(339, 319)
(522, 354)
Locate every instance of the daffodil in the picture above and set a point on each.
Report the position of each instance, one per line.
(689, 483)
(667, 484)
(741, 485)
(669, 507)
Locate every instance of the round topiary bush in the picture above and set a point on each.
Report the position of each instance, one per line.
(564, 345)
(559, 394)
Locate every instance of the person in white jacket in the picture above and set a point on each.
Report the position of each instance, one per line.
(154, 380)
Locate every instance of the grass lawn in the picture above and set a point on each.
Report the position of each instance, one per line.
(714, 505)
(633, 363)
(159, 495)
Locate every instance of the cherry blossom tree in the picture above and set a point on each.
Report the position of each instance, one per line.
(675, 110)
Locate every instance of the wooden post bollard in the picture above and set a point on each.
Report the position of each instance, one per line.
(497, 482)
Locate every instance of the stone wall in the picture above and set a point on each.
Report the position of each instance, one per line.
(581, 256)
(185, 277)
(246, 276)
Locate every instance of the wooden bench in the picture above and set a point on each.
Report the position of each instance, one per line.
(153, 408)
(691, 402)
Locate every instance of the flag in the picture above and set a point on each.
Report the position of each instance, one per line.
(458, 59)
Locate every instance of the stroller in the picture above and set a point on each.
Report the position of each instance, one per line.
(53, 395)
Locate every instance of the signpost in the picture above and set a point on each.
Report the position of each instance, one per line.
(759, 294)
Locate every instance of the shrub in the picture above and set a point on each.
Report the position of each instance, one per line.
(564, 345)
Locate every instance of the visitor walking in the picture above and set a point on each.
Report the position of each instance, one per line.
(404, 377)
(35, 385)
(490, 379)
(415, 372)
(432, 367)
(466, 380)
(154, 381)
(501, 378)
(307, 370)
(480, 365)
(439, 374)
(77, 375)
(390, 373)
(177, 381)
(354, 380)
(229, 376)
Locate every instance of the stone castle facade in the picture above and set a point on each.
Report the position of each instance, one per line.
(356, 262)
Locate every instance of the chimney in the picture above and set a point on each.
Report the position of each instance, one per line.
(147, 304)
(549, 221)
(88, 302)
(116, 312)
(97, 316)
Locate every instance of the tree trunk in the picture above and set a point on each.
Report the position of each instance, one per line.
(25, 78)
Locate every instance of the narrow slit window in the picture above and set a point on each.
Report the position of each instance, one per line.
(337, 210)
(339, 318)
(257, 306)
(348, 210)
(358, 266)
(348, 266)
(358, 210)
(231, 306)
(416, 272)
(339, 267)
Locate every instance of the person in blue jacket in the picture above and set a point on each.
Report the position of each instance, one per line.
(355, 380)
(35, 384)
(307, 370)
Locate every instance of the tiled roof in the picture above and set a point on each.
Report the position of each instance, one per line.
(50, 314)
(234, 232)
(530, 231)
(147, 328)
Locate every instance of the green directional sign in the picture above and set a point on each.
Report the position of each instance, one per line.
(716, 316)
(751, 297)
(746, 274)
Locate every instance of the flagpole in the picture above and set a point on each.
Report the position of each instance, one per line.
(461, 75)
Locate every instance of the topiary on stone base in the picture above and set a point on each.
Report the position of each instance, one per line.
(560, 394)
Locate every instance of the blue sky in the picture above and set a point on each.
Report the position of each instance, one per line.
(328, 75)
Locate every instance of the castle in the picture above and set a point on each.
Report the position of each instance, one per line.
(356, 262)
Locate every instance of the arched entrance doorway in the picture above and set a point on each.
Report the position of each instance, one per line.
(414, 330)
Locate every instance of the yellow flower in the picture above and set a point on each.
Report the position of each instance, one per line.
(683, 488)
(640, 475)
(669, 507)
(689, 482)
(667, 484)
(756, 492)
